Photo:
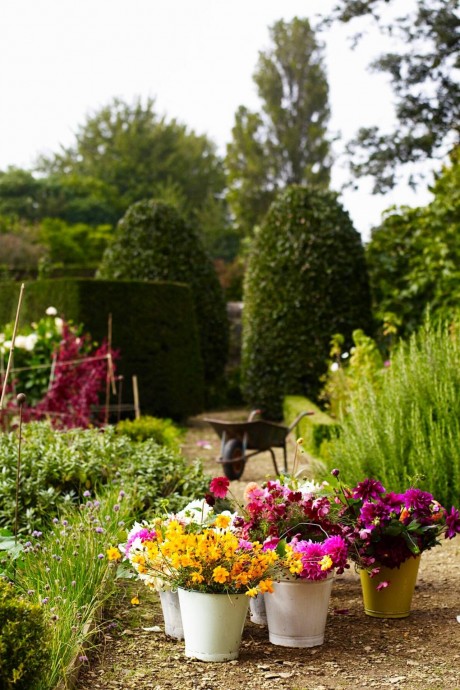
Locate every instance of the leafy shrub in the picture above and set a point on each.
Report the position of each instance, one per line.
(59, 369)
(409, 429)
(350, 371)
(153, 242)
(162, 431)
(58, 467)
(306, 280)
(24, 648)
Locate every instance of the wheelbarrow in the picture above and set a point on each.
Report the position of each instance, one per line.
(255, 436)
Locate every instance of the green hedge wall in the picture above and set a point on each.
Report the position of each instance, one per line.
(153, 326)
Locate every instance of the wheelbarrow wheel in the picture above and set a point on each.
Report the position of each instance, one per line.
(233, 449)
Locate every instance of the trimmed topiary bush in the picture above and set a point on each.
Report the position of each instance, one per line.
(306, 280)
(24, 646)
(153, 242)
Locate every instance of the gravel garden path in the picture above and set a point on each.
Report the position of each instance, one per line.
(421, 652)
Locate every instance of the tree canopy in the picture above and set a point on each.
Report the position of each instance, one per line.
(414, 255)
(286, 142)
(424, 78)
(138, 155)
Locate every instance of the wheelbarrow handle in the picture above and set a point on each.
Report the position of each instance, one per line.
(298, 418)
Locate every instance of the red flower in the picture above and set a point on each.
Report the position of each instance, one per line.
(219, 486)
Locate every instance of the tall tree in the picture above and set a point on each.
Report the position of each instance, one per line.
(286, 143)
(138, 155)
(424, 76)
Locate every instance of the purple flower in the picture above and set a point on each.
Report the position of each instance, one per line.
(335, 472)
(100, 556)
(86, 494)
(417, 499)
(373, 513)
(55, 521)
(99, 530)
(369, 488)
(116, 508)
(452, 523)
(45, 600)
(245, 545)
(36, 533)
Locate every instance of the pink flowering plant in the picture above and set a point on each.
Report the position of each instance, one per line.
(384, 528)
(295, 519)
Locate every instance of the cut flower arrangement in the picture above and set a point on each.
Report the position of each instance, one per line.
(295, 520)
(198, 550)
(384, 529)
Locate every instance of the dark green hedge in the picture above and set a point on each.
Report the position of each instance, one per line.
(153, 326)
(154, 242)
(306, 280)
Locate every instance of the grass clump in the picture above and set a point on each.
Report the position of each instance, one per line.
(408, 432)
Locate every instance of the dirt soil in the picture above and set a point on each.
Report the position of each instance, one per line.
(421, 652)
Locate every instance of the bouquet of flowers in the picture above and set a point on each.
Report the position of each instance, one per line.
(295, 520)
(385, 528)
(199, 550)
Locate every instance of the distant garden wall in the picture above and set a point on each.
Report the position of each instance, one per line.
(153, 326)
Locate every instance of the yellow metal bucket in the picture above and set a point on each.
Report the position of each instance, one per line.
(395, 600)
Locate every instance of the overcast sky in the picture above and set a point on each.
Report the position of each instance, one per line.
(63, 59)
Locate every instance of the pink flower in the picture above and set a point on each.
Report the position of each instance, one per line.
(382, 585)
(219, 486)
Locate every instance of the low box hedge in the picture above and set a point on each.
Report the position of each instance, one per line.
(314, 429)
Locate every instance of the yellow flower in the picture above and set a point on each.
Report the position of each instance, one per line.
(197, 578)
(326, 563)
(220, 574)
(135, 601)
(113, 554)
(253, 592)
(222, 521)
(266, 586)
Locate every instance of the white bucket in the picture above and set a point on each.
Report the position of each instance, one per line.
(171, 614)
(257, 611)
(297, 612)
(213, 624)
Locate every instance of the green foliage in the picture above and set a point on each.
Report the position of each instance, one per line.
(137, 154)
(153, 242)
(24, 641)
(286, 143)
(154, 328)
(67, 571)
(315, 429)
(34, 347)
(306, 280)
(414, 256)
(410, 427)
(422, 67)
(350, 371)
(58, 467)
(162, 431)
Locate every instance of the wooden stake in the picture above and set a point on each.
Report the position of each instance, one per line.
(120, 389)
(137, 411)
(21, 398)
(10, 358)
(109, 371)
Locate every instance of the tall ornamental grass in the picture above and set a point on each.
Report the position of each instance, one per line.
(408, 432)
(67, 573)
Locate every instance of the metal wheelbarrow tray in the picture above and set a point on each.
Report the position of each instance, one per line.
(254, 435)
